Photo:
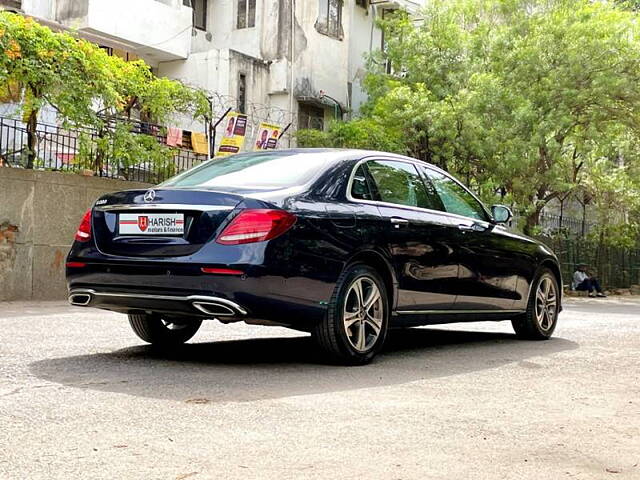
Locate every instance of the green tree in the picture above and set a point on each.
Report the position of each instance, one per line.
(516, 96)
(86, 86)
(362, 133)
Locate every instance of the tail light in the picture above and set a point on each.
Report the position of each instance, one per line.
(83, 234)
(257, 225)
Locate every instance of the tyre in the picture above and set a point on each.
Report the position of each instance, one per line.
(541, 317)
(355, 326)
(163, 332)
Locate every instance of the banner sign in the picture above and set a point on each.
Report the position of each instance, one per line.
(234, 134)
(267, 138)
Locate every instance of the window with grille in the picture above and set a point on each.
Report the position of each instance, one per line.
(310, 117)
(246, 14)
(330, 18)
(242, 93)
(199, 12)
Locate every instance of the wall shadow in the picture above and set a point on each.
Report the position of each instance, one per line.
(246, 370)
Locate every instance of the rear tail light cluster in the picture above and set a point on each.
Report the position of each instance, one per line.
(256, 225)
(83, 234)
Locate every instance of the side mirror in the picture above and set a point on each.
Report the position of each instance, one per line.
(501, 214)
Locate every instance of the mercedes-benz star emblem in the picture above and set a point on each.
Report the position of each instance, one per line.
(150, 196)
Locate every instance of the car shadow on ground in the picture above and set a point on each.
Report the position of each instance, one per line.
(246, 370)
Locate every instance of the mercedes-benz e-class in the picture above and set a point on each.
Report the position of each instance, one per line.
(343, 244)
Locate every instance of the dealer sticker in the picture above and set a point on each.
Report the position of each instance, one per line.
(151, 223)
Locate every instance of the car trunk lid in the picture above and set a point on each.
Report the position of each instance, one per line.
(159, 222)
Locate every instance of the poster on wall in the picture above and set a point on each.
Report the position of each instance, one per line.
(267, 138)
(234, 133)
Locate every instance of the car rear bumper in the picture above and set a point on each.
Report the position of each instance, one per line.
(195, 305)
(183, 290)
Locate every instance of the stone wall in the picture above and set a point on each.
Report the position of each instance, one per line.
(39, 214)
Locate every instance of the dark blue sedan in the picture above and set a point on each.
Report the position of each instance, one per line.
(340, 243)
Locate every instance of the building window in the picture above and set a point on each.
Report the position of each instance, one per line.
(242, 93)
(386, 13)
(246, 14)
(330, 18)
(310, 117)
(199, 12)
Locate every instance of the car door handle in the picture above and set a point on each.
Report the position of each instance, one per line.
(474, 227)
(399, 221)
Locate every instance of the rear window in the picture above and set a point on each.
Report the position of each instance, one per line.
(253, 170)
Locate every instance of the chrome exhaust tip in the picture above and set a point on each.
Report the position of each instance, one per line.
(80, 299)
(215, 309)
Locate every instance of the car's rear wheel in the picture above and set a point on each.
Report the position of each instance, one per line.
(355, 326)
(163, 332)
(541, 317)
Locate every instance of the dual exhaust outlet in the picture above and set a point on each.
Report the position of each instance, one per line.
(212, 306)
(80, 299)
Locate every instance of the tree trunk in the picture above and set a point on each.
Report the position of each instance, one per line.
(32, 137)
(532, 220)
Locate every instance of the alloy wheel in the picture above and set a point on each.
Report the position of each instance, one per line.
(363, 313)
(546, 303)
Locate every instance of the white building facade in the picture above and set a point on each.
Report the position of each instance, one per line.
(291, 62)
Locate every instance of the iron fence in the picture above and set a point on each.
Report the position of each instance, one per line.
(615, 267)
(567, 225)
(58, 148)
(551, 225)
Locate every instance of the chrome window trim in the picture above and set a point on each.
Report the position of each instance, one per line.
(408, 207)
(163, 206)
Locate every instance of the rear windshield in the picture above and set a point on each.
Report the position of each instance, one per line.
(257, 170)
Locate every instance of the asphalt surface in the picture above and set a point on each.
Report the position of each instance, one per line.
(82, 398)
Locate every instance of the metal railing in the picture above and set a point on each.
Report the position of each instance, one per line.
(615, 267)
(58, 148)
(563, 224)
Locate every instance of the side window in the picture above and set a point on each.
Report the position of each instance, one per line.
(400, 183)
(455, 198)
(360, 186)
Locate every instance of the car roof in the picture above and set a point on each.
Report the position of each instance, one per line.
(341, 154)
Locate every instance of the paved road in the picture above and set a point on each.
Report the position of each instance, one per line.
(80, 397)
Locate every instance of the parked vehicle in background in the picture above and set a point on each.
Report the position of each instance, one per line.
(343, 244)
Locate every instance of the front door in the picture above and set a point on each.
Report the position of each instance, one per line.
(485, 253)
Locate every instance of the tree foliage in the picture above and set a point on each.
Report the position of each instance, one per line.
(528, 100)
(362, 133)
(86, 86)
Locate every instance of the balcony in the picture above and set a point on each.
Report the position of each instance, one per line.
(157, 30)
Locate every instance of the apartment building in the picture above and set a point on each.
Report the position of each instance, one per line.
(298, 62)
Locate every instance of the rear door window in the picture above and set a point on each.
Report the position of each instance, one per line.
(400, 183)
(360, 185)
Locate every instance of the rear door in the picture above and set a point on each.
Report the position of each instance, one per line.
(417, 236)
(486, 255)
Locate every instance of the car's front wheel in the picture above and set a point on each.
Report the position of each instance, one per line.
(541, 317)
(163, 332)
(355, 326)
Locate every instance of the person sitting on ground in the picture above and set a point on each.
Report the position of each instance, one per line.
(582, 281)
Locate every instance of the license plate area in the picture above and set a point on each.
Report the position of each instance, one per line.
(171, 224)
